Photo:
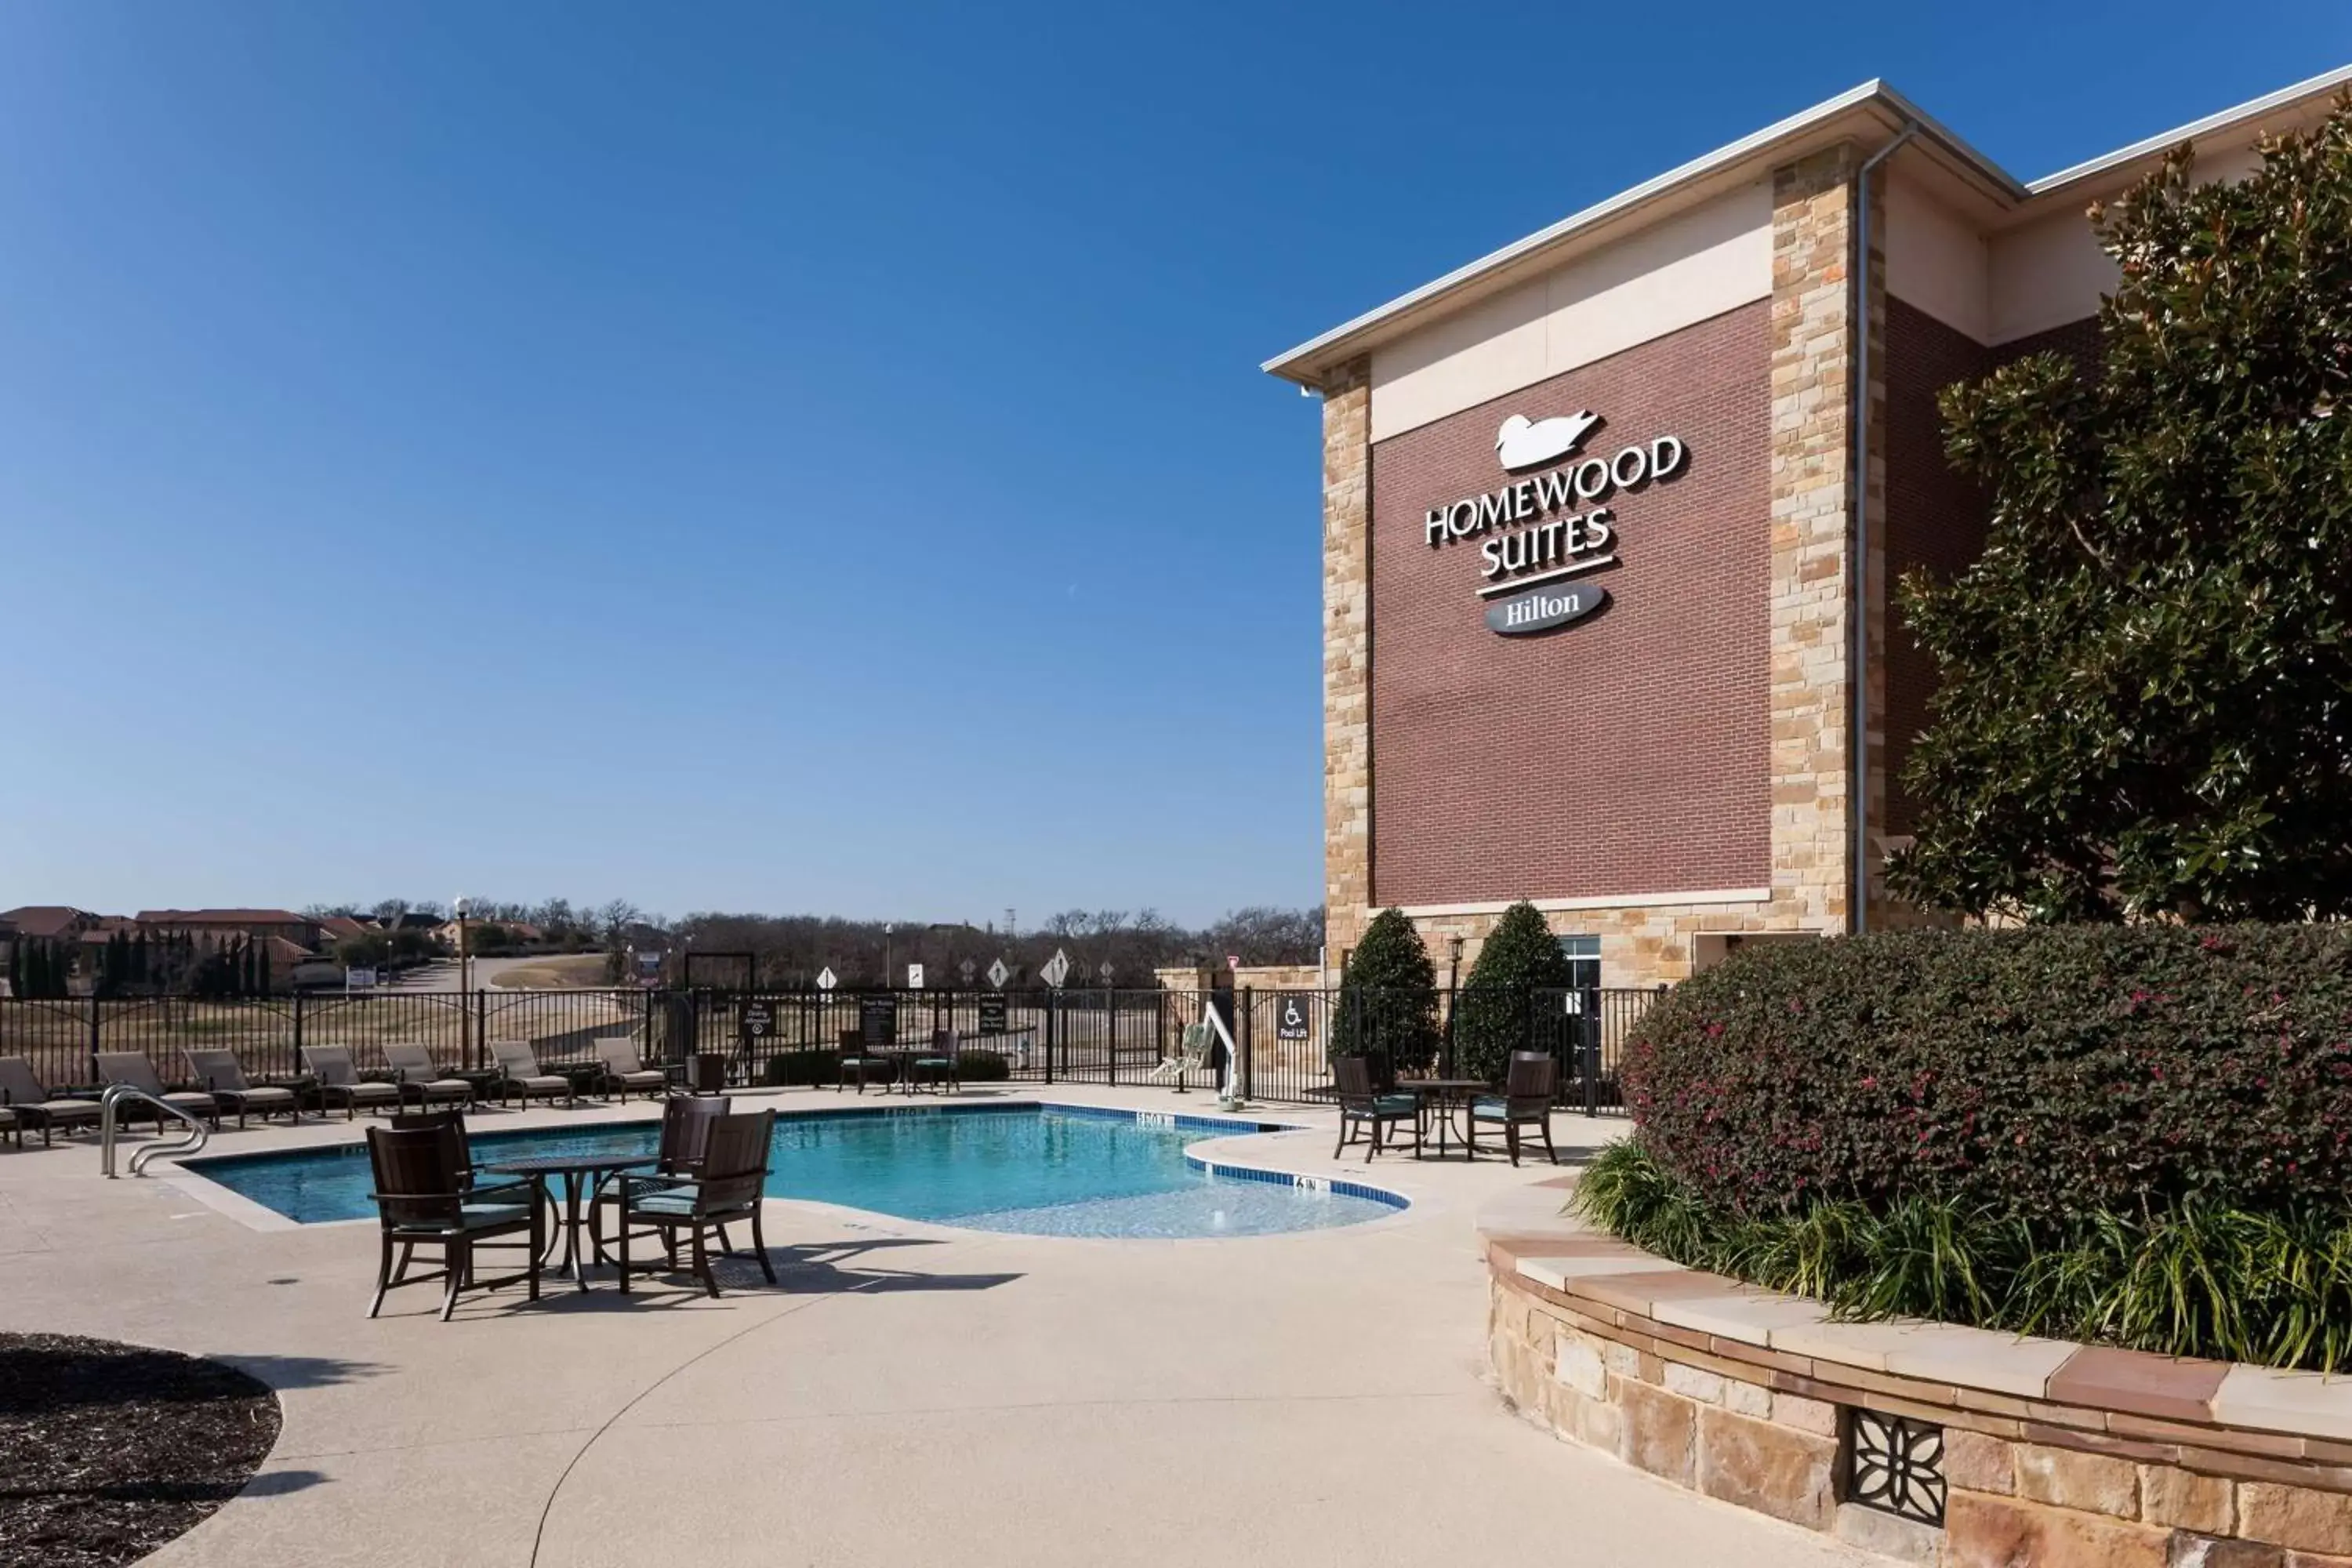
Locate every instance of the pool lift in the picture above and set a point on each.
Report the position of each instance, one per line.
(1230, 1097)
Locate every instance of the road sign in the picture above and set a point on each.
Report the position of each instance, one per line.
(914, 977)
(968, 969)
(1290, 1020)
(825, 980)
(359, 979)
(758, 1022)
(1107, 971)
(998, 974)
(878, 1019)
(992, 1014)
(1057, 970)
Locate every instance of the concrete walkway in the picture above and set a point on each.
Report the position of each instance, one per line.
(908, 1392)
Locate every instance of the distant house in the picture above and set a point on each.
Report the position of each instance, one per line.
(50, 922)
(522, 932)
(219, 926)
(342, 928)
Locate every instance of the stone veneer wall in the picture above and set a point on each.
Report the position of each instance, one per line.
(1346, 655)
(2133, 1481)
(1811, 529)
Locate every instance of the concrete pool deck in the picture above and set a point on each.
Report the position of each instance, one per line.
(906, 1392)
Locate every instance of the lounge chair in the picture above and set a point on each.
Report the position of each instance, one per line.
(686, 1128)
(220, 1072)
(728, 1188)
(1194, 1053)
(856, 1058)
(938, 1063)
(422, 1201)
(518, 1066)
(411, 1062)
(624, 1070)
(134, 1070)
(29, 1104)
(339, 1081)
(1525, 1102)
(1364, 1106)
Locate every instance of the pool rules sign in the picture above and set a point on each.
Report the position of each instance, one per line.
(1557, 523)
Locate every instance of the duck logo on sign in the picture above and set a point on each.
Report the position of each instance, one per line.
(1557, 522)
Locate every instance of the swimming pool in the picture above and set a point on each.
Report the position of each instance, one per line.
(1039, 1170)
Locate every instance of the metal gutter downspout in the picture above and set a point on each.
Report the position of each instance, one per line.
(1858, 657)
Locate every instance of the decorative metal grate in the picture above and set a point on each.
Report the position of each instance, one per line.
(1895, 1465)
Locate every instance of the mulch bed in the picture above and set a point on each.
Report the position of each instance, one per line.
(109, 1450)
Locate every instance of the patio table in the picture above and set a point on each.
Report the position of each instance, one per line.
(580, 1174)
(1438, 1098)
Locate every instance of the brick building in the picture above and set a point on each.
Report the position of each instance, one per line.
(1591, 592)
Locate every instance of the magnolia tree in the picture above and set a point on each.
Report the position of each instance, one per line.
(2146, 700)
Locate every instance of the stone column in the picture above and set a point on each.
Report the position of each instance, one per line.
(1346, 655)
(1812, 369)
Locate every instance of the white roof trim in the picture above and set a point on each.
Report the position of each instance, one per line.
(1722, 158)
(1293, 363)
(2251, 109)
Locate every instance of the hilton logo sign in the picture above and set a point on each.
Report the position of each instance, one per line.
(1550, 526)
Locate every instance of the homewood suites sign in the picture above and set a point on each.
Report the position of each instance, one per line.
(1548, 526)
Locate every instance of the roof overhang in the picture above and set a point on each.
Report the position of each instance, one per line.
(1870, 116)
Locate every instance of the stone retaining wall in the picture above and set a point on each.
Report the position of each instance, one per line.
(2086, 1456)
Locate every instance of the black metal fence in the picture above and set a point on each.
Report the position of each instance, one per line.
(1281, 1041)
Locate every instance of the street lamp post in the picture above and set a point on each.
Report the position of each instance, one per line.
(888, 929)
(465, 1008)
(1453, 996)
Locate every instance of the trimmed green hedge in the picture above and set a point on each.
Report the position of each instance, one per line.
(2039, 1075)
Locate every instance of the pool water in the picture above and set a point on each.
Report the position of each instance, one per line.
(1036, 1170)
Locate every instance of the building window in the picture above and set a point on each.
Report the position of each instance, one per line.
(1583, 955)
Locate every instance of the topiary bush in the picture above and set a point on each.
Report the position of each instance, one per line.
(2036, 1074)
(1387, 998)
(1520, 958)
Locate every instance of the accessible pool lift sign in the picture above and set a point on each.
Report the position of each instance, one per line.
(1536, 532)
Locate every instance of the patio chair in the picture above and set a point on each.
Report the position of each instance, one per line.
(1195, 1052)
(1525, 1102)
(686, 1126)
(728, 1188)
(221, 1073)
(938, 1063)
(411, 1062)
(422, 1201)
(340, 1081)
(624, 1070)
(856, 1058)
(450, 1124)
(29, 1104)
(1366, 1108)
(134, 1070)
(518, 1066)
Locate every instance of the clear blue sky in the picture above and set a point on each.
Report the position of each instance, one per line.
(753, 456)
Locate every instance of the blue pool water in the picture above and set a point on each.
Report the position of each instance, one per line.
(1041, 1171)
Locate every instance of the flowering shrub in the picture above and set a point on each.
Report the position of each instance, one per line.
(2038, 1074)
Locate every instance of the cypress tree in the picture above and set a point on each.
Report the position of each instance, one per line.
(1387, 998)
(1519, 960)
